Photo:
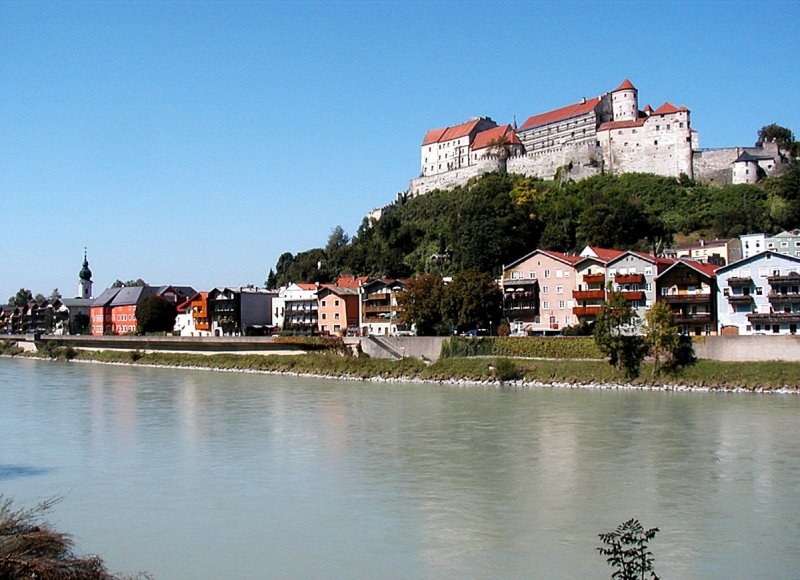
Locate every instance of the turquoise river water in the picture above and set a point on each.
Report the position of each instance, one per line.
(194, 474)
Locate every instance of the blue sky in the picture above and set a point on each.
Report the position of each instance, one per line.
(194, 142)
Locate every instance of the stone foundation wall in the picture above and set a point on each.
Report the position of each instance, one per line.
(454, 178)
(585, 161)
(714, 165)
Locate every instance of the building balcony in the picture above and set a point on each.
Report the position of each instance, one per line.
(589, 294)
(792, 278)
(594, 278)
(774, 318)
(634, 295)
(699, 318)
(519, 295)
(784, 297)
(378, 296)
(521, 313)
(740, 298)
(581, 311)
(384, 308)
(735, 281)
(629, 279)
(686, 298)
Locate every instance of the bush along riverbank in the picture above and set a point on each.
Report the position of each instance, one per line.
(488, 369)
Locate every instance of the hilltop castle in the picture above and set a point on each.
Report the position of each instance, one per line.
(608, 133)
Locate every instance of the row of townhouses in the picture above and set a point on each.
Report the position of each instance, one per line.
(742, 285)
(546, 291)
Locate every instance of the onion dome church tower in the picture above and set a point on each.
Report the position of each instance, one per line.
(85, 279)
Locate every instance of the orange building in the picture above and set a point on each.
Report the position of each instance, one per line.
(338, 309)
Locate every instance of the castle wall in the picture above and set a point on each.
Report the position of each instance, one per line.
(454, 178)
(714, 165)
(661, 145)
(585, 161)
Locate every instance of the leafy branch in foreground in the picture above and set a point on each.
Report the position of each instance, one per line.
(626, 548)
(30, 548)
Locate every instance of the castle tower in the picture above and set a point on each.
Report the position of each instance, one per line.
(85, 279)
(625, 102)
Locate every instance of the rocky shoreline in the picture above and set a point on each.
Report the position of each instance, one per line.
(493, 383)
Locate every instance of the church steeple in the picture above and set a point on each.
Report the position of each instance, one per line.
(85, 279)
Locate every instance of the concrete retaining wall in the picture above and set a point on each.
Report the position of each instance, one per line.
(748, 348)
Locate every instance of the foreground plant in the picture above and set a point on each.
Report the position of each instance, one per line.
(626, 548)
(30, 548)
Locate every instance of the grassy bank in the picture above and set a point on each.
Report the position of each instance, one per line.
(709, 374)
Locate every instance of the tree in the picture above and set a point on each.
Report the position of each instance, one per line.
(661, 335)
(473, 300)
(79, 324)
(154, 314)
(39, 298)
(54, 295)
(119, 283)
(337, 239)
(615, 335)
(272, 280)
(775, 133)
(420, 303)
(626, 548)
(22, 298)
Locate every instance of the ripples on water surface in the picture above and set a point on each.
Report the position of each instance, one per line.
(192, 474)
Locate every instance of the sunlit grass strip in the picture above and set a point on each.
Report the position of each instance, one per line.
(708, 374)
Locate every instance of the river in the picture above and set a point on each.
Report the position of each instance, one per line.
(195, 474)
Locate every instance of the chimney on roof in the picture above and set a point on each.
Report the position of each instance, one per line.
(583, 100)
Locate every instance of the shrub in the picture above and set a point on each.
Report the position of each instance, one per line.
(505, 370)
(626, 548)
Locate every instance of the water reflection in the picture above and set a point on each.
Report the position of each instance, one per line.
(309, 478)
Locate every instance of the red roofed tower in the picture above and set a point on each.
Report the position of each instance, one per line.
(625, 102)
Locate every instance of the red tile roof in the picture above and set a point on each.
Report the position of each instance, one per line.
(621, 124)
(486, 138)
(567, 112)
(626, 85)
(668, 108)
(605, 254)
(450, 133)
(306, 286)
(351, 281)
(561, 256)
(433, 136)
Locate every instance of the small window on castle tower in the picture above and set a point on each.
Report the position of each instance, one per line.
(655, 142)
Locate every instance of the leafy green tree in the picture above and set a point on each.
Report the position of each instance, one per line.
(39, 298)
(473, 300)
(627, 551)
(420, 303)
(22, 298)
(661, 335)
(616, 337)
(79, 324)
(120, 284)
(54, 295)
(773, 132)
(272, 280)
(154, 314)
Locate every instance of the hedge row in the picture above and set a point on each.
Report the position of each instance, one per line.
(532, 347)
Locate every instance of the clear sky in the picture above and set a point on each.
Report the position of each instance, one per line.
(194, 142)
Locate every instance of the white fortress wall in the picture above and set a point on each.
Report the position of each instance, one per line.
(585, 159)
(453, 178)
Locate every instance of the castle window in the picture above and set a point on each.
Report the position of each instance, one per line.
(658, 127)
(680, 125)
